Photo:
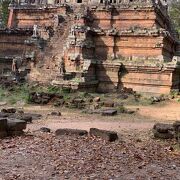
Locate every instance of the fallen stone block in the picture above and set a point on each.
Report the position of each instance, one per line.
(8, 110)
(3, 126)
(34, 116)
(3, 134)
(76, 132)
(23, 117)
(16, 125)
(15, 133)
(54, 113)
(77, 100)
(4, 115)
(167, 135)
(106, 135)
(163, 128)
(109, 112)
(109, 104)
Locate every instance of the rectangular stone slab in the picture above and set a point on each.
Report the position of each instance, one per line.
(16, 125)
(76, 132)
(104, 134)
(109, 112)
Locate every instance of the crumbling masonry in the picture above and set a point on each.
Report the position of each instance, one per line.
(97, 45)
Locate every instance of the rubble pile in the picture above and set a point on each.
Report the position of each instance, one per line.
(13, 122)
(11, 127)
(44, 98)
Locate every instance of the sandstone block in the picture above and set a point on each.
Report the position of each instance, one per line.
(3, 124)
(109, 104)
(3, 127)
(9, 110)
(109, 112)
(106, 135)
(16, 125)
(4, 115)
(33, 115)
(76, 132)
(3, 134)
(163, 128)
(77, 100)
(24, 117)
(166, 135)
(15, 133)
(54, 113)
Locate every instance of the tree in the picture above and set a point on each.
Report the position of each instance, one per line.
(4, 11)
(174, 11)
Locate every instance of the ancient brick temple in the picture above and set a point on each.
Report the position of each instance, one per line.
(101, 45)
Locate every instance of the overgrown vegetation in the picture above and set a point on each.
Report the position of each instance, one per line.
(15, 94)
(174, 11)
(4, 4)
(21, 93)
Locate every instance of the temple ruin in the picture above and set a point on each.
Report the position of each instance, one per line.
(94, 45)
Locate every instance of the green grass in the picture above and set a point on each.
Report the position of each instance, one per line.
(22, 93)
(17, 93)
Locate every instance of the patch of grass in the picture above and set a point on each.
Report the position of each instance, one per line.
(17, 93)
(54, 90)
(121, 109)
(174, 93)
(146, 101)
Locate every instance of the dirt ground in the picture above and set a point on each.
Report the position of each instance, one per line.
(136, 155)
(142, 120)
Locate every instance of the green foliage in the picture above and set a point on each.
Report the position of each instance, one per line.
(17, 93)
(5, 12)
(54, 90)
(174, 11)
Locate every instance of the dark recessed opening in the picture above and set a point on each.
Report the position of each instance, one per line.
(79, 1)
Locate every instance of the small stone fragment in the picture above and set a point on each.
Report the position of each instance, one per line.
(54, 113)
(45, 130)
(96, 99)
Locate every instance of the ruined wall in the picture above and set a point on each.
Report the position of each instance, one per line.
(123, 18)
(12, 43)
(123, 44)
(27, 17)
